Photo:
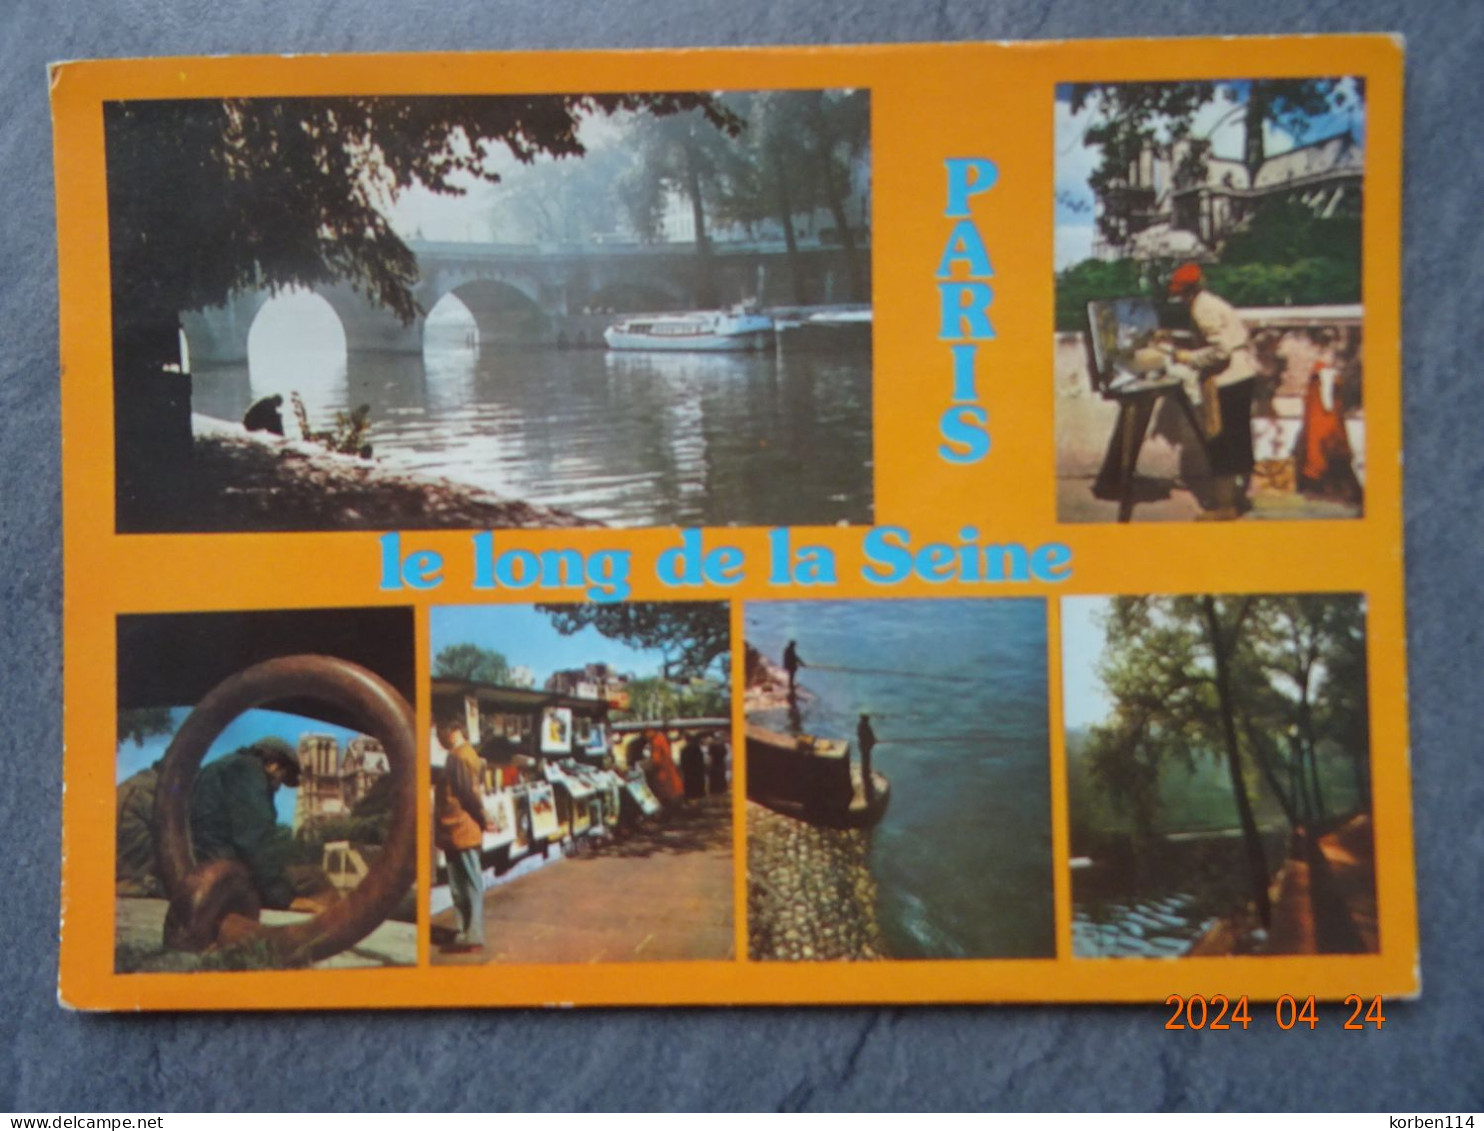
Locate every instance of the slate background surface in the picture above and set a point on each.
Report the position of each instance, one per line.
(1430, 1056)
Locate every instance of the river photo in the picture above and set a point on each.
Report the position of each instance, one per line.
(621, 438)
(524, 311)
(955, 690)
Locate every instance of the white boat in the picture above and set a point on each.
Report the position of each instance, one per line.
(699, 330)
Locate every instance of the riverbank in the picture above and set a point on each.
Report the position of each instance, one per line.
(255, 481)
(810, 892)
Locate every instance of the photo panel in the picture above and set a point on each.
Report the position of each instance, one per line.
(543, 310)
(582, 804)
(898, 780)
(1219, 775)
(265, 814)
(1208, 300)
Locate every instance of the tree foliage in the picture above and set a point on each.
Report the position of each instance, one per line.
(210, 196)
(139, 723)
(655, 698)
(1130, 118)
(690, 635)
(472, 663)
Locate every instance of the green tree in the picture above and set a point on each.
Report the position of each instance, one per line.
(472, 663)
(1171, 666)
(690, 635)
(138, 723)
(681, 153)
(654, 698)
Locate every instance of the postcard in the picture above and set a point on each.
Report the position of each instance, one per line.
(787, 525)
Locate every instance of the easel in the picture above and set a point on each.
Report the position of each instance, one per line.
(1111, 326)
(1137, 404)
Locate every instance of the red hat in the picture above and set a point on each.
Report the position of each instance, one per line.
(1187, 277)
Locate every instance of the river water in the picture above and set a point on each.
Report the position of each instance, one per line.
(629, 439)
(962, 858)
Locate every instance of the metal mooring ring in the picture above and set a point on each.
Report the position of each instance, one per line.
(204, 897)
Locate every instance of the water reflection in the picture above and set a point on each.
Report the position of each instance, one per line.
(628, 439)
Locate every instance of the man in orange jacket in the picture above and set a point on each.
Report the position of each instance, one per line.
(459, 825)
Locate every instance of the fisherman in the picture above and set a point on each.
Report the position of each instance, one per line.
(865, 738)
(792, 662)
(1228, 375)
(233, 816)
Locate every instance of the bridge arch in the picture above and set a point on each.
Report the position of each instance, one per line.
(298, 342)
(502, 312)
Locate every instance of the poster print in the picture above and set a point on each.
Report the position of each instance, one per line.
(917, 556)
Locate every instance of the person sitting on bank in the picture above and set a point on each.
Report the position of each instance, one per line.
(1228, 377)
(264, 415)
(233, 817)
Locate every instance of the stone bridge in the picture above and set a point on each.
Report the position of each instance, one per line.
(546, 293)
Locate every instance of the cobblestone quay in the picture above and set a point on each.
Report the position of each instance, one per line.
(810, 893)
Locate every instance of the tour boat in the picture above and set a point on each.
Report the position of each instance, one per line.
(699, 330)
(813, 779)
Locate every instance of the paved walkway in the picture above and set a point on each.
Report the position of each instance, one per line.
(662, 893)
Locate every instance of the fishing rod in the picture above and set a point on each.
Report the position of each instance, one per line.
(936, 738)
(891, 672)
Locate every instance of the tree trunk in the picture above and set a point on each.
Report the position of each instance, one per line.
(834, 198)
(1257, 863)
(706, 295)
(152, 426)
(785, 208)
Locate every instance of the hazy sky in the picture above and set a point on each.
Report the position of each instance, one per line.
(458, 219)
(527, 638)
(1075, 161)
(1084, 701)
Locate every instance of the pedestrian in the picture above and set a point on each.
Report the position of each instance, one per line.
(1228, 377)
(1326, 464)
(693, 768)
(460, 824)
(716, 755)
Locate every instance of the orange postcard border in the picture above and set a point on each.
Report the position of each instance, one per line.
(929, 102)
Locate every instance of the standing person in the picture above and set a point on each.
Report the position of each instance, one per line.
(1228, 374)
(865, 738)
(693, 768)
(792, 662)
(716, 754)
(233, 816)
(1326, 464)
(664, 778)
(460, 822)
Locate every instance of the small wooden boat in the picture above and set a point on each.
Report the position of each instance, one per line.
(812, 779)
(705, 331)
